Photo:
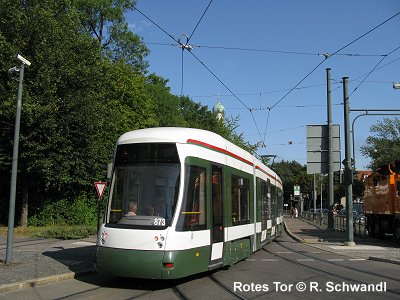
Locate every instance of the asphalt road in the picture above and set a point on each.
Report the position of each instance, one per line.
(284, 269)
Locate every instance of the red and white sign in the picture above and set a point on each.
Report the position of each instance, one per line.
(100, 187)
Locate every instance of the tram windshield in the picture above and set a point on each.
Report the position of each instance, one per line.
(145, 186)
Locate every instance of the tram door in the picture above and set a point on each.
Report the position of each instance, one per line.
(217, 224)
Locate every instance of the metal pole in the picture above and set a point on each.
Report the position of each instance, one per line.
(330, 151)
(348, 173)
(13, 186)
(314, 197)
(321, 192)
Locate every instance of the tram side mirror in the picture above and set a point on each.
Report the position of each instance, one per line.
(398, 188)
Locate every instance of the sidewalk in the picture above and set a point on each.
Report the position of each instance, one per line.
(39, 261)
(304, 231)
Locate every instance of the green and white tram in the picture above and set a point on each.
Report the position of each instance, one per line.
(184, 201)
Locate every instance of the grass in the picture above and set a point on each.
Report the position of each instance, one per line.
(58, 232)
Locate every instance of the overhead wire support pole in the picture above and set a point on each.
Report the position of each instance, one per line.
(330, 150)
(348, 172)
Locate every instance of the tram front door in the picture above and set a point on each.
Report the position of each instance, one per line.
(217, 224)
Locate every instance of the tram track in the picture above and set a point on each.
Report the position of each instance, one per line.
(380, 275)
(226, 288)
(178, 293)
(178, 290)
(325, 272)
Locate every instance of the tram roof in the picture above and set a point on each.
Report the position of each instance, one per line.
(169, 135)
(185, 135)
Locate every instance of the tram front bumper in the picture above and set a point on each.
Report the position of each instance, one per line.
(151, 264)
(129, 263)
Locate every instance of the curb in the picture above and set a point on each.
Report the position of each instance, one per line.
(311, 242)
(300, 240)
(8, 287)
(387, 260)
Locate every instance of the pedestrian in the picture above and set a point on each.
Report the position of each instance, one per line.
(296, 212)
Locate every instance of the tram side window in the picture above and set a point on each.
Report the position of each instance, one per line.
(273, 204)
(265, 204)
(193, 215)
(280, 201)
(240, 200)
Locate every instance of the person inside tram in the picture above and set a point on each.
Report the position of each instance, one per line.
(149, 211)
(132, 209)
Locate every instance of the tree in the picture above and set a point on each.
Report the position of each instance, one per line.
(293, 173)
(83, 90)
(75, 105)
(105, 21)
(166, 106)
(384, 146)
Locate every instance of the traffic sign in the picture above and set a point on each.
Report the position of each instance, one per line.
(318, 148)
(100, 187)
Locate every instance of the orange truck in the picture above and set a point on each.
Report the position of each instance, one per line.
(382, 201)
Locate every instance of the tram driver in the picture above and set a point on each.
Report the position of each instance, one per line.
(132, 209)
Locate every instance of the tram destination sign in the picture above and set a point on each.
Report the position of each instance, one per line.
(318, 148)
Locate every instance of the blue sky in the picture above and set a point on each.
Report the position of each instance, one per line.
(287, 40)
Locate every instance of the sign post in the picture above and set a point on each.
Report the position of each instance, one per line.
(100, 187)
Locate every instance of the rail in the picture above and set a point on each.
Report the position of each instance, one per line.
(321, 220)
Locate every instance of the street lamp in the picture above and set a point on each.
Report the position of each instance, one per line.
(396, 85)
(13, 186)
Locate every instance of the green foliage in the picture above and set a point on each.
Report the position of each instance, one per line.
(81, 211)
(56, 232)
(86, 86)
(384, 146)
(63, 232)
(293, 173)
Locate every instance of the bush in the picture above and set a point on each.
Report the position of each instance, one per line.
(64, 232)
(55, 232)
(81, 211)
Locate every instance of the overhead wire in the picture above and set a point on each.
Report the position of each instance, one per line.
(271, 51)
(327, 57)
(202, 63)
(334, 53)
(155, 24)
(373, 69)
(188, 46)
(201, 18)
(283, 51)
(216, 77)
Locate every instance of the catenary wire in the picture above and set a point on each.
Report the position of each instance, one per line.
(327, 57)
(155, 24)
(334, 53)
(374, 68)
(284, 52)
(216, 77)
(270, 51)
(200, 20)
(292, 89)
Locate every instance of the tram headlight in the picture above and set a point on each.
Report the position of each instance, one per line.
(103, 237)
